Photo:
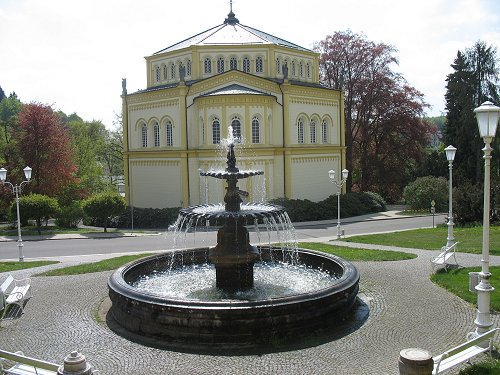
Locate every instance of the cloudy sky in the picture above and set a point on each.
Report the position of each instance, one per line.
(72, 54)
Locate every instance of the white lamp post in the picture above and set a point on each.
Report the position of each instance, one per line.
(487, 119)
(16, 189)
(338, 185)
(450, 155)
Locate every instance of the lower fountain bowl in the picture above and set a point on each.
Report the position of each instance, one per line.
(229, 324)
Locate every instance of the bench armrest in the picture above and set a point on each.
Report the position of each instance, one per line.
(22, 282)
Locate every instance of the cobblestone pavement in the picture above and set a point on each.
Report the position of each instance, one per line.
(405, 310)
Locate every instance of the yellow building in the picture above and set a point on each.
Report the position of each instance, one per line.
(267, 88)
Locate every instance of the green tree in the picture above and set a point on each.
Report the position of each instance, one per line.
(112, 155)
(88, 142)
(37, 207)
(9, 110)
(2, 94)
(474, 80)
(104, 206)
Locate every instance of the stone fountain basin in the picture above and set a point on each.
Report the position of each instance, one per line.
(238, 324)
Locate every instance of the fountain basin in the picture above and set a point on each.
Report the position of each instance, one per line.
(228, 323)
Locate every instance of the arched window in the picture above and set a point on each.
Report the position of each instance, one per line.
(208, 65)
(172, 71)
(308, 70)
(188, 68)
(312, 131)
(157, 71)
(236, 125)
(165, 74)
(144, 135)
(215, 131)
(233, 63)
(255, 130)
(300, 131)
(246, 65)
(259, 66)
(220, 65)
(156, 134)
(170, 133)
(301, 69)
(278, 66)
(324, 132)
(293, 68)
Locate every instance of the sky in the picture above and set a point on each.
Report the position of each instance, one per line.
(73, 54)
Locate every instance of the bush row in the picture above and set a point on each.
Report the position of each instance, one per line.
(351, 204)
(467, 199)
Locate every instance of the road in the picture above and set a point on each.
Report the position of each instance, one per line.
(322, 231)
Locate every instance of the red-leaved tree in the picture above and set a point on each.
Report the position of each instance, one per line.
(385, 133)
(44, 145)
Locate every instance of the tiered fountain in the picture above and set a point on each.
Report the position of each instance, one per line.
(178, 300)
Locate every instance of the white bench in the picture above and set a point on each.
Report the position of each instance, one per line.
(25, 365)
(443, 257)
(464, 352)
(14, 292)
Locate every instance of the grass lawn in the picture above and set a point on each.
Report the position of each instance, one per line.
(46, 231)
(352, 254)
(103, 265)
(457, 282)
(434, 238)
(15, 266)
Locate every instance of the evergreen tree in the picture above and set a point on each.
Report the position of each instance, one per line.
(2, 94)
(473, 81)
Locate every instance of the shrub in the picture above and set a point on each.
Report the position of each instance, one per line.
(147, 218)
(71, 215)
(419, 193)
(104, 207)
(36, 207)
(468, 203)
(351, 204)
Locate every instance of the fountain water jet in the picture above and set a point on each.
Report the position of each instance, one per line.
(234, 319)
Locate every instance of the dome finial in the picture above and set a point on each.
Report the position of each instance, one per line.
(231, 19)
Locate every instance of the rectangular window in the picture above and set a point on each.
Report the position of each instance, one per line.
(312, 132)
(255, 130)
(300, 132)
(170, 135)
(156, 130)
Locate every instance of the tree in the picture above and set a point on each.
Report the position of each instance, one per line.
(104, 206)
(88, 141)
(474, 80)
(37, 207)
(9, 110)
(2, 94)
(112, 155)
(45, 146)
(385, 132)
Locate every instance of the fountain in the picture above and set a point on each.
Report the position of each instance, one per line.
(172, 297)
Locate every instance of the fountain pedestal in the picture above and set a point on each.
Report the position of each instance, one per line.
(233, 257)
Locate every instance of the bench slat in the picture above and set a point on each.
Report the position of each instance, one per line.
(22, 369)
(461, 357)
(463, 352)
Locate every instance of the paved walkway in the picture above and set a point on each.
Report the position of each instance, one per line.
(405, 310)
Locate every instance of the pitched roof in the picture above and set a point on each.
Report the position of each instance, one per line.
(234, 89)
(231, 32)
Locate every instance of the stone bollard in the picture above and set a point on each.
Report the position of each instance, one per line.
(76, 364)
(414, 361)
